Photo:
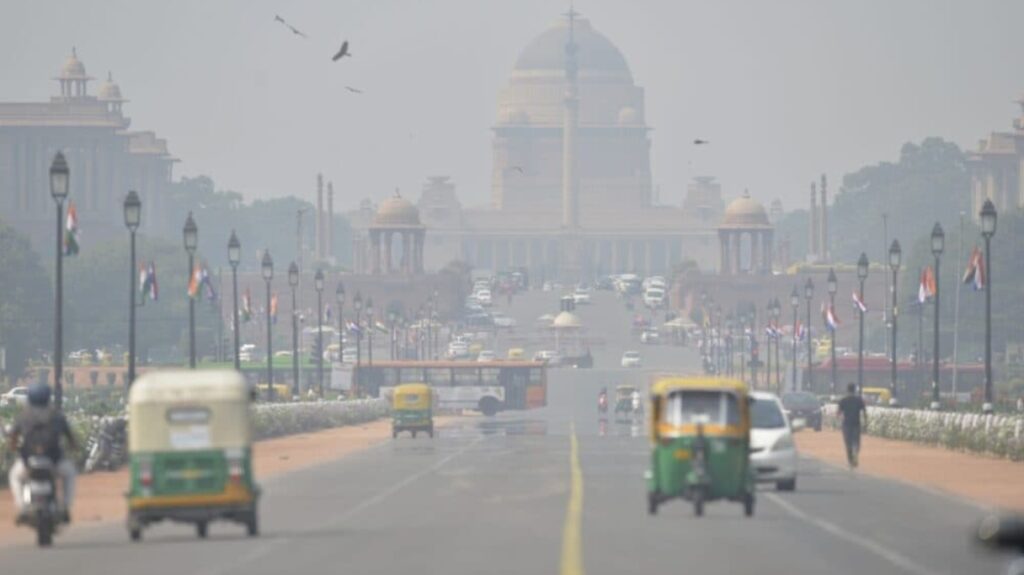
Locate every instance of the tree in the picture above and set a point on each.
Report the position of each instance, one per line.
(26, 303)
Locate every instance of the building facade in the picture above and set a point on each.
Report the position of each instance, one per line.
(996, 168)
(106, 160)
(571, 186)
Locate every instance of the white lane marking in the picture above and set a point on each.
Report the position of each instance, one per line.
(883, 552)
(267, 547)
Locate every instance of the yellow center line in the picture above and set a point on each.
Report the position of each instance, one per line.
(572, 544)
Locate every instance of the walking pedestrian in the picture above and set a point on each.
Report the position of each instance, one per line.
(854, 416)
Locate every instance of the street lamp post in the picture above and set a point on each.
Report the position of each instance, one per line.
(768, 346)
(357, 304)
(339, 298)
(60, 183)
(808, 295)
(369, 331)
(743, 346)
(235, 256)
(938, 245)
(318, 284)
(132, 218)
(191, 235)
(988, 229)
(895, 254)
(776, 314)
(833, 287)
(794, 300)
(293, 282)
(392, 335)
(267, 269)
(862, 274)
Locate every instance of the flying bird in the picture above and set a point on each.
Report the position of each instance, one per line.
(342, 52)
(517, 169)
(353, 90)
(699, 142)
(296, 31)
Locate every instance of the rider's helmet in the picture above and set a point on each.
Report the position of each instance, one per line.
(39, 395)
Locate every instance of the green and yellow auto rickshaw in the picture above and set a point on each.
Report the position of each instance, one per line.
(700, 433)
(190, 450)
(412, 407)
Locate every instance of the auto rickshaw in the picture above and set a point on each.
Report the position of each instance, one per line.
(700, 435)
(877, 396)
(624, 401)
(412, 409)
(190, 450)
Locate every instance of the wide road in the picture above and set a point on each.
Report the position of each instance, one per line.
(547, 491)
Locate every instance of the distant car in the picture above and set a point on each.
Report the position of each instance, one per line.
(479, 320)
(581, 296)
(486, 355)
(16, 396)
(631, 359)
(772, 450)
(654, 298)
(458, 350)
(502, 320)
(548, 356)
(804, 406)
(650, 336)
(483, 297)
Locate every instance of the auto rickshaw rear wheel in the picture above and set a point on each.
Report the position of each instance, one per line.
(201, 529)
(414, 434)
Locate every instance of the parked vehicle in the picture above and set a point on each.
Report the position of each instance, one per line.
(772, 451)
(549, 357)
(631, 359)
(16, 396)
(190, 448)
(483, 297)
(486, 355)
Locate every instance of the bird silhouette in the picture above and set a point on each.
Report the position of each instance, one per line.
(699, 142)
(517, 169)
(296, 31)
(342, 52)
(353, 90)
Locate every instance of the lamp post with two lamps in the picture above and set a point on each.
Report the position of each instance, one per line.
(938, 245)
(132, 218)
(988, 229)
(191, 236)
(895, 255)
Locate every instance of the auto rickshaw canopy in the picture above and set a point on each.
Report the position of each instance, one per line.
(412, 396)
(719, 406)
(189, 410)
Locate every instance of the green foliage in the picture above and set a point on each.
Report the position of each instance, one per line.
(263, 224)
(26, 302)
(929, 183)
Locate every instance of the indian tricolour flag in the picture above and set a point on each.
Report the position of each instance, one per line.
(71, 231)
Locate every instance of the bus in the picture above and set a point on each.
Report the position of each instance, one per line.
(489, 387)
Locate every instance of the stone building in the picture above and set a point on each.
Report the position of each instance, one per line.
(571, 186)
(996, 168)
(106, 160)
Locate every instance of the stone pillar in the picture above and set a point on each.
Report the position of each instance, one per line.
(375, 248)
(737, 246)
(755, 252)
(723, 252)
(389, 239)
(769, 248)
(406, 252)
(421, 238)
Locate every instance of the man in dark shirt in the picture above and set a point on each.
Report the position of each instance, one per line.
(38, 430)
(853, 412)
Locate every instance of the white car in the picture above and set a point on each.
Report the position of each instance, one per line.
(16, 396)
(581, 296)
(502, 320)
(458, 350)
(486, 355)
(631, 359)
(654, 298)
(548, 356)
(483, 297)
(650, 336)
(772, 450)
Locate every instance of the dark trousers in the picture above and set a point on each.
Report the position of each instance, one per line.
(851, 437)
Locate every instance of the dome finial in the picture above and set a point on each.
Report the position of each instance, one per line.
(398, 194)
(74, 52)
(110, 76)
(746, 193)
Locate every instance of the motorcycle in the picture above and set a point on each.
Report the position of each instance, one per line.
(40, 497)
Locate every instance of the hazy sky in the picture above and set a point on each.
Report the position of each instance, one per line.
(785, 90)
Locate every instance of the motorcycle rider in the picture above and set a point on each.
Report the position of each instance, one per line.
(37, 430)
(635, 397)
(602, 400)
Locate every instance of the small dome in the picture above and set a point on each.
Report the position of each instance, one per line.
(397, 211)
(109, 91)
(73, 67)
(628, 116)
(745, 212)
(566, 320)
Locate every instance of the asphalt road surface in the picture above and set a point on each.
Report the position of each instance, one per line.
(546, 491)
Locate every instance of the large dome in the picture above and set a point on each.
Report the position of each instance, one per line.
(595, 54)
(745, 212)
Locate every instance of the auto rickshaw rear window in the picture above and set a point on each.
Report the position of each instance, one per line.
(698, 406)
